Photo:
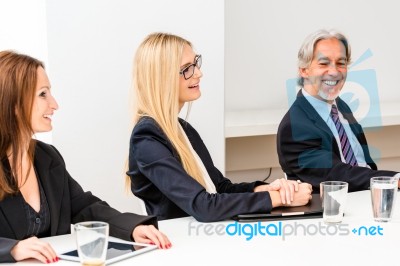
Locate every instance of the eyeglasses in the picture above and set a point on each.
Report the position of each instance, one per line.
(188, 71)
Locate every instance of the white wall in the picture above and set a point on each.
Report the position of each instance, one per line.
(91, 45)
(23, 29)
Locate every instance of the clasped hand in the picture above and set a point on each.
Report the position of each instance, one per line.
(287, 192)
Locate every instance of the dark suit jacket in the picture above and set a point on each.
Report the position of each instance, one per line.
(168, 191)
(68, 203)
(308, 150)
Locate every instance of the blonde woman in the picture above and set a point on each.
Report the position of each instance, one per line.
(38, 197)
(170, 168)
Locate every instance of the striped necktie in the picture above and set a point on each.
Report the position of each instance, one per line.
(347, 151)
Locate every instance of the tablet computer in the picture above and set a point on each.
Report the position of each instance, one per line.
(117, 250)
(312, 210)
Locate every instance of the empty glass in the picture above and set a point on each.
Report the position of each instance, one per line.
(92, 241)
(333, 194)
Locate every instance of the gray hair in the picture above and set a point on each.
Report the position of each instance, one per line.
(306, 52)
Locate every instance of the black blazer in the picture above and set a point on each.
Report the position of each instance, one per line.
(308, 150)
(68, 203)
(159, 179)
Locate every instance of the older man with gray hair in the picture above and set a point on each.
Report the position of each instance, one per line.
(319, 139)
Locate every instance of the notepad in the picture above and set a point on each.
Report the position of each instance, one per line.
(312, 210)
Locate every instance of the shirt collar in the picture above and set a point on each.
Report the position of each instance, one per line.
(323, 108)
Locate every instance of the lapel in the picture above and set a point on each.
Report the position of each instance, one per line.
(13, 212)
(313, 115)
(51, 178)
(12, 209)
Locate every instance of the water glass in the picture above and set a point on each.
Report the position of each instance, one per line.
(92, 241)
(383, 197)
(334, 195)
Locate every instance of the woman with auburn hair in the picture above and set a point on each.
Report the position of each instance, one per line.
(38, 197)
(170, 168)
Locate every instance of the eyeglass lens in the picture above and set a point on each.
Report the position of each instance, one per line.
(189, 71)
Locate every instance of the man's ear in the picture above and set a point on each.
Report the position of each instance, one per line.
(303, 72)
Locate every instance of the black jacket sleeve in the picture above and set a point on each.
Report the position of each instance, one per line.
(222, 184)
(85, 207)
(6, 244)
(153, 160)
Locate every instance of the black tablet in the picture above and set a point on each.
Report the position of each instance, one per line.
(312, 210)
(116, 251)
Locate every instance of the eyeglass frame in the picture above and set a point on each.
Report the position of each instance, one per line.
(197, 63)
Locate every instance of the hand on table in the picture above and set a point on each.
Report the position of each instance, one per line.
(148, 234)
(34, 248)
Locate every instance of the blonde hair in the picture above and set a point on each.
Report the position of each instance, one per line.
(156, 92)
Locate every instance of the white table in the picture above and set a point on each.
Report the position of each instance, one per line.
(197, 243)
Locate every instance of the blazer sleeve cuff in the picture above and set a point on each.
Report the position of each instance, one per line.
(258, 183)
(6, 245)
(123, 227)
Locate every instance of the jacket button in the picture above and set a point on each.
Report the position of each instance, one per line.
(37, 220)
